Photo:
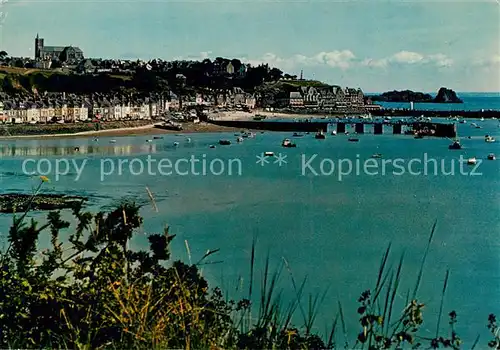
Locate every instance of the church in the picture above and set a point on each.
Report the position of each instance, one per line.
(63, 53)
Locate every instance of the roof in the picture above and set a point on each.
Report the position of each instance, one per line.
(53, 48)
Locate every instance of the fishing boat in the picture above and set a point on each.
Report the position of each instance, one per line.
(334, 132)
(472, 161)
(352, 139)
(224, 142)
(287, 143)
(211, 146)
(377, 155)
(239, 139)
(320, 135)
(112, 141)
(176, 144)
(297, 135)
(269, 154)
(491, 156)
(489, 139)
(455, 145)
(158, 137)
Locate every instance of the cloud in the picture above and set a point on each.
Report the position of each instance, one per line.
(336, 59)
(409, 58)
(340, 59)
(488, 62)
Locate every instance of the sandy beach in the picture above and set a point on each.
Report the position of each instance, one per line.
(136, 131)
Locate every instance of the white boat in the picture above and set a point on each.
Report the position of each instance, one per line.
(112, 141)
(239, 139)
(176, 143)
(482, 119)
(188, 140)
(149, 140)
(489, 139)
(269, 154)
(473, 124)
(287, 143)
(472, 161)
(334, 132)
(491, 156)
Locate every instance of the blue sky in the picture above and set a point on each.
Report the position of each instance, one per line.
(376, 45)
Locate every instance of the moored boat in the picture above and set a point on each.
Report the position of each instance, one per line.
(224, 142)
(287, 143)
(320, 135)
(297, 135)
(489, 139)
(455, 145)
(377, 155)
(269, 154)
(239, 139)
(491, 156)
(352, 139)
(334, 132)
(472, 161)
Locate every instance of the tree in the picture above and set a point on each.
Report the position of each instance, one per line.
(3, 55)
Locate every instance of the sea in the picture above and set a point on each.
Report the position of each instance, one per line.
(324, 211)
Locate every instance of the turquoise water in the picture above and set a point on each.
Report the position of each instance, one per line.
(334, 232)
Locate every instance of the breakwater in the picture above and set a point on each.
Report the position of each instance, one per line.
(423, 128)
(487, 114)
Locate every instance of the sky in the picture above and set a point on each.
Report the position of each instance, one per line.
(375, 45)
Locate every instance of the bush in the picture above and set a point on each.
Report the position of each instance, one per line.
(95, 292)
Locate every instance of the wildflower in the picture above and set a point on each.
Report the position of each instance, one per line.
(44, 178)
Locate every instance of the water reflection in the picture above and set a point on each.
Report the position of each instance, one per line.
(44, 151)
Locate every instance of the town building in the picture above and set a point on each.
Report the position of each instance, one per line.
(49, 53)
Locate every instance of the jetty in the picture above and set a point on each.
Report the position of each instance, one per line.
(447, 130)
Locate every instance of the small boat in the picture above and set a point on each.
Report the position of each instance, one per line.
(236, 134)
(352, 139)
(482, 119)
(478, 127)
(176, 143)
(346, 133)
(96, 139)
(158, 137)
(211, 146)
(455, 145)
(188, 140)
(77, 149)
(463, 121)
(419, 136)
(377, 155)
(473, 125)
(224, 142)
(491, 156)
(297, 135)
(149, 140)
(472, 161)
(239, 139)
(489, 139)
(334, 132)
(287, 143)
(112, 141)
(269, 154)
(320, 135)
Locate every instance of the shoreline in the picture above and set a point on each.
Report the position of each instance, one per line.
(145, 130)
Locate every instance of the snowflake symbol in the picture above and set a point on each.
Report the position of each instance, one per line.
(262, 159)
(281, 159)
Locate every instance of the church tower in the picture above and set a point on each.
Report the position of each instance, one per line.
(38, 47)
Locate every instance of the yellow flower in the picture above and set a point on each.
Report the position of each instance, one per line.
(44, 178)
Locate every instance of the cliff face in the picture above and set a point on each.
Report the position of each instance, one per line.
(447, 96)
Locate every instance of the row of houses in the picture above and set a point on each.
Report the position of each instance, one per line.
(323, 97)
(112, 109)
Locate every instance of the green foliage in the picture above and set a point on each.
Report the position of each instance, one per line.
(95, 292)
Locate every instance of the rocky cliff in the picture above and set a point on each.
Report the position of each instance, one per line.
(447, 96)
